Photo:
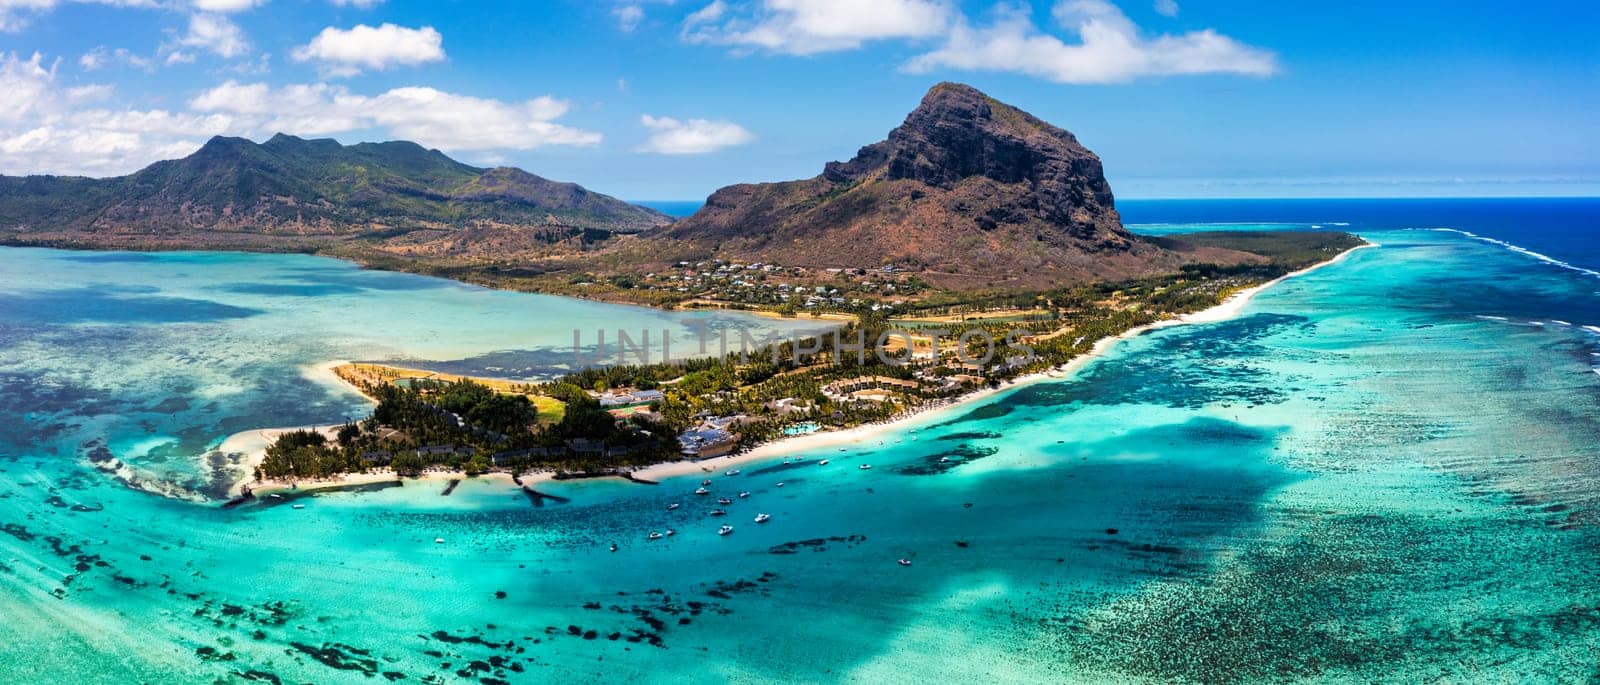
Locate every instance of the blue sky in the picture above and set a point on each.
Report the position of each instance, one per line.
(670, 99)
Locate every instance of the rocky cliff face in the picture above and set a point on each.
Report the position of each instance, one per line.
(969, 190)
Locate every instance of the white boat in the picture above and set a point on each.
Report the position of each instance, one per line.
(864, 467)
(275, 496)
(841, 449)
(613, 546)
(701, 491)
(724, 530)
(762, 518)
(733, 472)
(671, 532)
(724, 500)
(943, 459)
(719, 512)
(673, 506)
(905, 562)
(744, 494)
(654, 535)
(299, 506)
(824, 462)
(780, 484)
(706, 482)
(438, 541)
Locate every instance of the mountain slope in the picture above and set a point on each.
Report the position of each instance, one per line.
(290, 187)
(969, 191)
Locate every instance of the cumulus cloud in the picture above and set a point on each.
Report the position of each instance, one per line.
(226, 5)
(358, 4)
(345, 52)
(1167, 8)
(215, 33)
(46, 127)
(1110, 48)
(692, 137)
(805, 27)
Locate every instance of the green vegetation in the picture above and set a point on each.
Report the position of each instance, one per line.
(477, 426)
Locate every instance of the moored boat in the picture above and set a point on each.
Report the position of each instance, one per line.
(762, 518)
(724, 530)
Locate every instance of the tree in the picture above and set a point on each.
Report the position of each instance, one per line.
(409, 465)
(477, 465)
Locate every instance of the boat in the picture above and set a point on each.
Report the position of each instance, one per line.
(943, 459)
(673, 506)
(719, 512)
(762, 518)
(864, 467)
(724, 500)
(299, 506)
(613, 546)
(780, 484)
(654, 535)
(275, 496)
(841, 449)
(705, 482)
(824, 462)
(671, 532)
(438, 541)
(701, 491)
(724, 530)
(733, 472)
(744, 494)
(905, 562)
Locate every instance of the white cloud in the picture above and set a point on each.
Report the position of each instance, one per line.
(1167, 8)
(215, 33)
(693, 137)
(358, 4)
(426, 115)
(226, 5)
(102, 57)
(628, 16)
(1111, 49)
(44, 128)
(346, 52)
(805, 27)
(15, 14)
(48, 128)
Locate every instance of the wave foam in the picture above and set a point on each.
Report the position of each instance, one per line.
(1522, 251)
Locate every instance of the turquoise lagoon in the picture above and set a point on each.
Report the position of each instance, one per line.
(1384, 470)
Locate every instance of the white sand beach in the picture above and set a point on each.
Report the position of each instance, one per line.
(818, 445)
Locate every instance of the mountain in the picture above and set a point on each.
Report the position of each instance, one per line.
(969, 191)
(290, 190)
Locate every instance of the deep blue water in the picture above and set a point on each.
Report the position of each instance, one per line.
(1567, 229)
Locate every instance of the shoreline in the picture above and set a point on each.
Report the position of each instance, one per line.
(835, 440)
(860, 435)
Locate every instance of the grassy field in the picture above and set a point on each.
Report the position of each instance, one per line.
(550, 409)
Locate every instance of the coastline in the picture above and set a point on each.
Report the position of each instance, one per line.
(835, 440)
(859, 435)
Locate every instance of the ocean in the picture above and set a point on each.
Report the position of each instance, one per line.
(1381, 471)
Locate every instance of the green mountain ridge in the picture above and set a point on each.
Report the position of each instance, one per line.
(295, 187)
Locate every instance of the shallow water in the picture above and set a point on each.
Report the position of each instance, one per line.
(1383, 470)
